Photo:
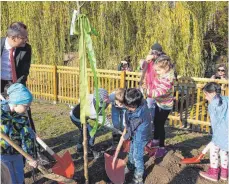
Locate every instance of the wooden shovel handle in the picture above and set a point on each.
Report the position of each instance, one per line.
(45, 146)
(15, 146)
(120, 143)
(46, 173)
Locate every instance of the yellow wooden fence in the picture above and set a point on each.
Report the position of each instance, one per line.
(61, 83)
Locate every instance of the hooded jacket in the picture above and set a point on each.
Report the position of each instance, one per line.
(138, 123)
(219, 122)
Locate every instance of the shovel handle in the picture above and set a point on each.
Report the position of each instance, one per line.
(45, 146)
(15, 146)
(114, 130)
(46, 173)
(207, 148)
(120, 144)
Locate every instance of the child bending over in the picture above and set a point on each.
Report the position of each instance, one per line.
(90, 114)
(15, 125)
(117, 111)
(218, 111)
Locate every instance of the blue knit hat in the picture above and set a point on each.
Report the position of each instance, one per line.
(19, 94)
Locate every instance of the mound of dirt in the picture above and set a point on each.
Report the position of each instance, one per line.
(163, 170)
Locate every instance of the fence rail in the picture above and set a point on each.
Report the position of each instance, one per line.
(61, 83)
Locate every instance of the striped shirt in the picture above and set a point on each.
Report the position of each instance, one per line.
(162, 91)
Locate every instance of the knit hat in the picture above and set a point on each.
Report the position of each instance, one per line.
(19, 94)
(156, 47)
(103, 95)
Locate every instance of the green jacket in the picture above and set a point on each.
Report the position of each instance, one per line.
(15, 126)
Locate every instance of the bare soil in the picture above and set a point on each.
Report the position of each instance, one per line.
(55, 128)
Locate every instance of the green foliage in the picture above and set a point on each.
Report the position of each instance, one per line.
(130, 28)
(127, 28)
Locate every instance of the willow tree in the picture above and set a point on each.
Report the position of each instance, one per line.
(127, 28)
(135, 26)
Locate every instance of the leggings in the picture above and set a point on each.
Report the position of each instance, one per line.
(160, 118)
(215, 151)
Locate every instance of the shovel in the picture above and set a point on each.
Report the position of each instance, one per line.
(126, 143)
(196, 160)
(46, 173)
(115, 168)
(126, 148)
(64, 166)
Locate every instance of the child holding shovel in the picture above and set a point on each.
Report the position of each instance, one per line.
(138, 129)
(15, 125)
(218, 111)
(91, 115)
(162, 92)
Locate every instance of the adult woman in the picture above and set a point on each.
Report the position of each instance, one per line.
(221, 72)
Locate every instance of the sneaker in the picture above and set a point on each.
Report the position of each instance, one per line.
(153, 144)
(224, 174)
(151, 151)
(212, 174)
(138, 179)
(161, 152)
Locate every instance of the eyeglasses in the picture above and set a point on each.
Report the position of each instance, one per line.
(23, 38)
(221, 70)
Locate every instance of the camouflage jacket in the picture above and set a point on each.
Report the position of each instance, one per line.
(16, 127)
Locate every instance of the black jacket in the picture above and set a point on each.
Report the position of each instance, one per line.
(22, 60)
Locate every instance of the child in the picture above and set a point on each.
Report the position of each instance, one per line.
(117, 111)
(138, 129)
(149, 74)
(15, 125)
(91, 114)
(218, 111)
(162, 92)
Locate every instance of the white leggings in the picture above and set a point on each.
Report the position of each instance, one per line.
(214, 157)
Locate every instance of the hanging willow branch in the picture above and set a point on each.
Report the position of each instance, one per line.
(125, 28)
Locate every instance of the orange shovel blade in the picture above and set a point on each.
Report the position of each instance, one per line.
(116, 174)
(65, 166)
(193, 160)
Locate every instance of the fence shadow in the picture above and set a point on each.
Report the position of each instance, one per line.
(69, 139)
(187, 146)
